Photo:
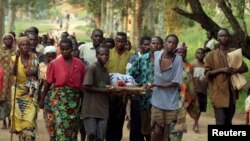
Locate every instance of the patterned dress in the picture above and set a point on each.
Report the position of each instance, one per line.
(24, 100)
(7, 80)
(188, 103)
(62, 103)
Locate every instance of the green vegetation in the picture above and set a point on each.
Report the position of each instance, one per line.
(21, 25)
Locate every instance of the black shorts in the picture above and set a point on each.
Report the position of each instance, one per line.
(202, 101)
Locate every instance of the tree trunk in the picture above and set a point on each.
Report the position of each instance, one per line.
(121, 20)
(161, 28)
(103, 14)
(148, 18)
(125, 24)
(12, 15)
(138, 20)
(1, 20)
(111, 20)
(106, 29)
(134, 35)
(97, 19)
(125, 18)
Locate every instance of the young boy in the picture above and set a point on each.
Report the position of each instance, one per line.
(200, 84)
(95, 106)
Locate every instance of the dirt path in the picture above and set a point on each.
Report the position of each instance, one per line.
(189, 136)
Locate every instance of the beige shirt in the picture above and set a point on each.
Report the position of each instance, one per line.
(88, 52)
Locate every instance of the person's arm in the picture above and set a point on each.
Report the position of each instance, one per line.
(95, 89)
(206, 49)
(49, 80)
(225, 70)
(228, 71)
(14, 71)
(242, 69)
(43, 94)
(210, 72)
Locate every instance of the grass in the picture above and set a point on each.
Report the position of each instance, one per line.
(83, 37)
(21, 25)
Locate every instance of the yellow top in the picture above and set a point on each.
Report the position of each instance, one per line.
(25, 109)
(117, 63)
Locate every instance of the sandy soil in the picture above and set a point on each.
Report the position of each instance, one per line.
(189, 136)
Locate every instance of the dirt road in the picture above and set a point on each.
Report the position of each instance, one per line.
(189, 136)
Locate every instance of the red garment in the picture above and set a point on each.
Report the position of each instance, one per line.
(61, 75)
(1, 80)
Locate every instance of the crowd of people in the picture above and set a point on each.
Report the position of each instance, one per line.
(70, 82)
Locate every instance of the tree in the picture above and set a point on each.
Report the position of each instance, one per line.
(239, 37)
(32, 6)
(1, 19)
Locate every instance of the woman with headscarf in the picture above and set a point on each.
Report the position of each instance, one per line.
(6, 80)
(25, 70)
(50, 54)
(66, 73)
(188, 102)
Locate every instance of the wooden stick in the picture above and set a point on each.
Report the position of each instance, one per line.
(14, 108)
(129, 89)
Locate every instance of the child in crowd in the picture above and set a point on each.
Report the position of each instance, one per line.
(200, 84)
(95, 106)
(109, 42)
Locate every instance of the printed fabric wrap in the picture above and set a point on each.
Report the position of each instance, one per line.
(61, 113)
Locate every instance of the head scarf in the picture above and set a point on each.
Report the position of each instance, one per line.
(21, 39)
(49, 49)
(8, 34)
(181, 47)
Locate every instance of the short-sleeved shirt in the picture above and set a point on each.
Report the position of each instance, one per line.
(95, 104)
(198, 76)
(88, 52)
(167, 98)
(142, 69)
(117, 63)
(61, 75)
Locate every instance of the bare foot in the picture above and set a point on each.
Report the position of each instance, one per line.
(4, 127)
(196, 128)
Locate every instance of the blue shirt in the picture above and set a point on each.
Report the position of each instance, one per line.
(167, 98)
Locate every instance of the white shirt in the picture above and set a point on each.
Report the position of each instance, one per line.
(88, 52)
(211, 43)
